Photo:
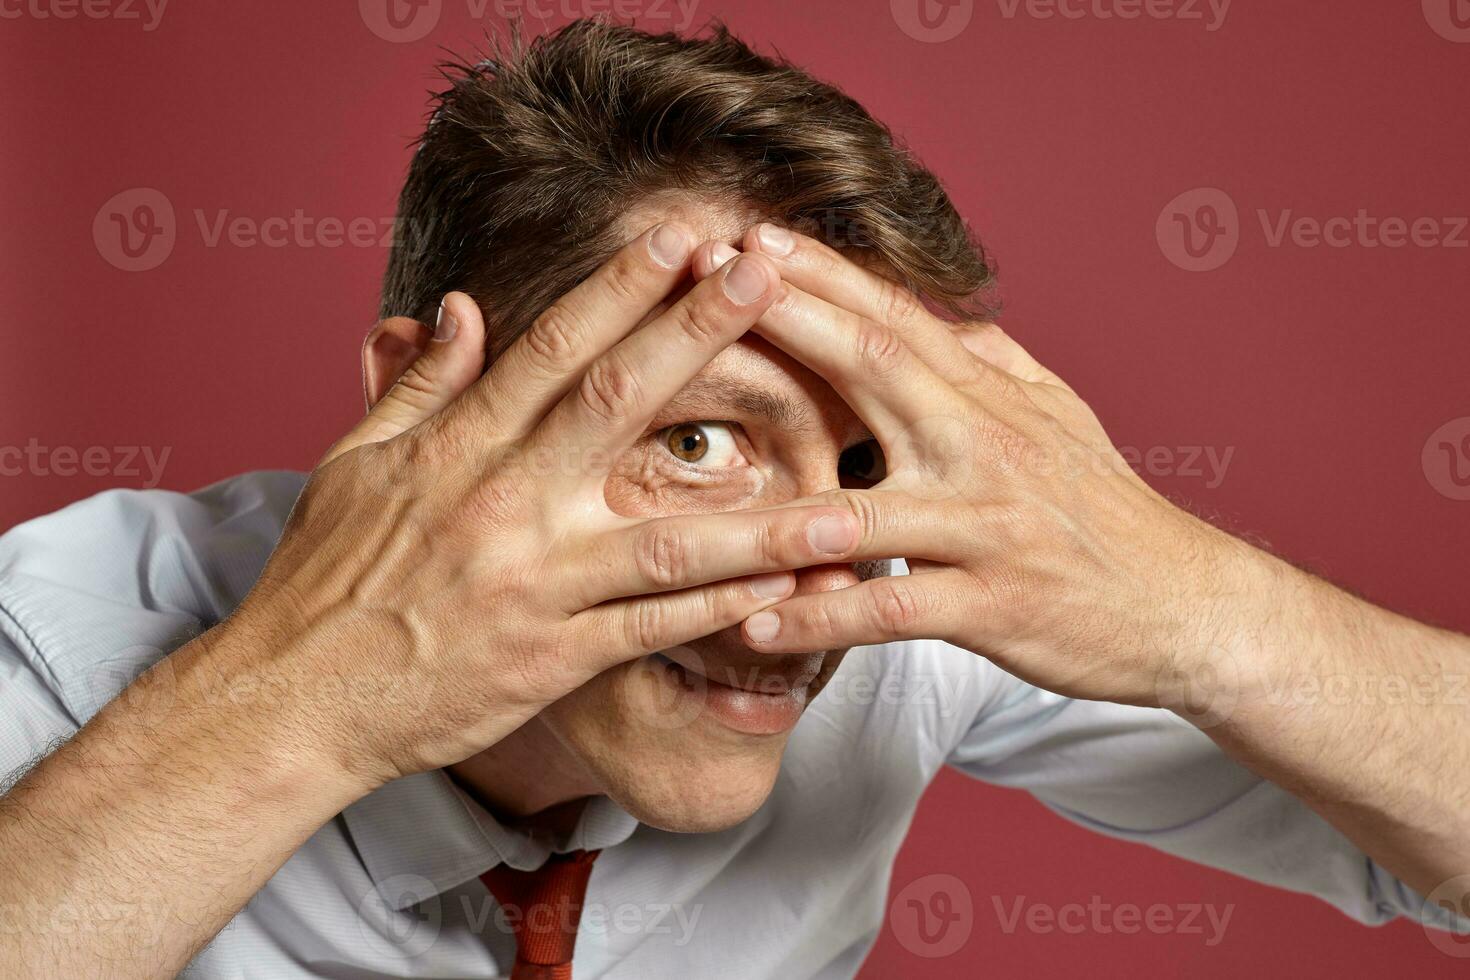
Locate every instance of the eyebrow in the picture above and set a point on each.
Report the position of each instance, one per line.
(776, 408)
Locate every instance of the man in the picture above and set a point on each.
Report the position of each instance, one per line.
(589, 621)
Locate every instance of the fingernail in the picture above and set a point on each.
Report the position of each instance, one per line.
(831, 535)
(775, 240)
(669, 246)
(745, 282)
(763, 626)
(445, 325)
(722, 253)
(773, 586)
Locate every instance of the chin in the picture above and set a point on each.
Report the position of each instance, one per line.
(675, 748)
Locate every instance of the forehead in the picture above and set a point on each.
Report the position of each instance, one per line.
(711, 220)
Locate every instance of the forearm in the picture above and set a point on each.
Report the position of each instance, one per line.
(127, 849)
(1359, 712)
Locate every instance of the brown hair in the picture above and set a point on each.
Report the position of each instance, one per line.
(529, 159)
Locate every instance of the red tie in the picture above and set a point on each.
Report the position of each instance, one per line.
(544, 907)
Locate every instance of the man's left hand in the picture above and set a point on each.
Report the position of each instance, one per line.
(1029, 538)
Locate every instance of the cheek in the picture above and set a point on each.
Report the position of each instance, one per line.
(640, 487)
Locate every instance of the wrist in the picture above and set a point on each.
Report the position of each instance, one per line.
(1232, 605)
(247, 696)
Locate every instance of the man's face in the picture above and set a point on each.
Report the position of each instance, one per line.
(691, 739)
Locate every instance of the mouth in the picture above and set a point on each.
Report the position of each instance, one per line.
(751, 701)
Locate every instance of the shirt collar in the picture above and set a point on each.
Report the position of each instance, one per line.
(422, 835)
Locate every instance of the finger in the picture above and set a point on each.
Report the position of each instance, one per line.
(624, 388)
(824, 272)
(865, 362)
(670, 553)
(879, 610)
(709, 257)
(624, 629)
(450, 361)
(990, 343)
(841, 526)
(548, 359)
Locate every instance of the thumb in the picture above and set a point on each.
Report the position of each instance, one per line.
(448, 362)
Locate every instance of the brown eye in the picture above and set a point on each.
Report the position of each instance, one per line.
(707, 445)
(688, 442)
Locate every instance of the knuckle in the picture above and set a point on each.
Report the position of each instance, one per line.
(662, 556)
(428, 447)
(1004, 445)
(878, 350)
(555, 336)
(815, 623)
(898, 304)
(771, 548)
(623, 279)
(824, 262)
(701, 321)
(863, 506)
(609, 390)
(648, 626)
(896, 606)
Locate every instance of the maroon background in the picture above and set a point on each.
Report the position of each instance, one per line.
(1325, 369)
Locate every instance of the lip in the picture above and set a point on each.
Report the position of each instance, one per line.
(770, 705)
(773, 676)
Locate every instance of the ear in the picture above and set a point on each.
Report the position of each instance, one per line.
(390, 349)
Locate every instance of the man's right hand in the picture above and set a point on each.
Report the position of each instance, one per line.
(452, 562)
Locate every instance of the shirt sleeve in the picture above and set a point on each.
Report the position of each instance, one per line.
(94, 594)
(33, 717)
(1147, 776)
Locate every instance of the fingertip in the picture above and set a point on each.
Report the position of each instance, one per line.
(770, 239)
(669, 244)
(459, 315)
(710, 257)
(762, 627)
(773, 586)
(750, 278)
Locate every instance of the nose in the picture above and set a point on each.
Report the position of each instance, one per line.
(825, 578)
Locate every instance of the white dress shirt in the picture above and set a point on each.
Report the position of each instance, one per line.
(93, 594)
